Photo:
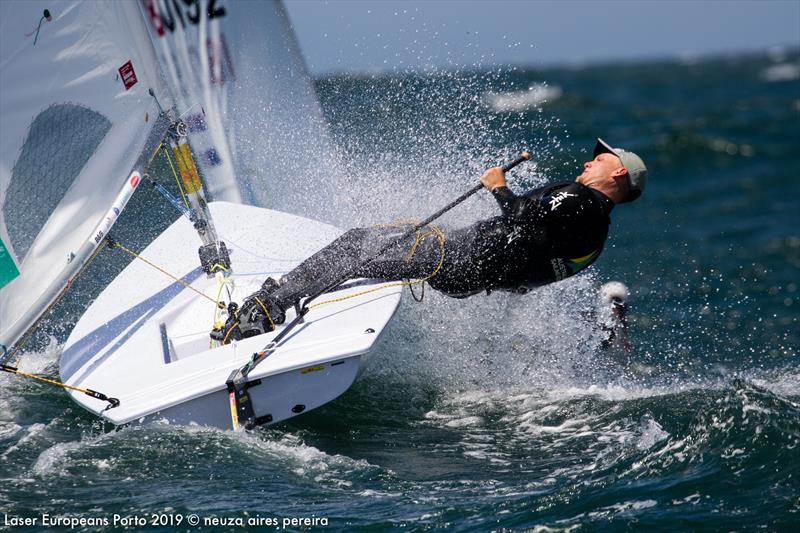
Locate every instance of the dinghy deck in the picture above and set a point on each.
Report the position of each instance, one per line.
(145, 339)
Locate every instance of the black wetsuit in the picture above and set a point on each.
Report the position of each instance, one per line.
(543, 236)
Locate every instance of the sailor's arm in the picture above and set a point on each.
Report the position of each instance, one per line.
(512, 205)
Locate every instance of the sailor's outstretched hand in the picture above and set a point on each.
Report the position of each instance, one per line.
(494, 178)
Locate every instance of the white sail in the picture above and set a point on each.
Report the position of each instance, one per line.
(254, 118)
(76, 119)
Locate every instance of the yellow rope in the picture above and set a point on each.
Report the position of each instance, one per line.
(137, 256)
(227, 335)
(217, 308)
(269, 317)
(218, 305)
(158, 149)
(218, 323)
(113, 402)
(46, 380)
(419, 239)
(434, 231)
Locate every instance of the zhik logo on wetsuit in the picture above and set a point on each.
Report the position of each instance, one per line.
(556, 200)
(514, 235)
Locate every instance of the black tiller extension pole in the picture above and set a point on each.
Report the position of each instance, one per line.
(524, 156)
(237, 381)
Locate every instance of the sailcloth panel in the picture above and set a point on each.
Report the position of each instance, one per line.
(253, 115)
(77, 112)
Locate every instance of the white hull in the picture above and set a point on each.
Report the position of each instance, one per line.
(276, 398)
(145, 340)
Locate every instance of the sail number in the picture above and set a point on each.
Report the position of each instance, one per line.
(167, 14)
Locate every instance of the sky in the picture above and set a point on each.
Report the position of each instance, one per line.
(385, 35)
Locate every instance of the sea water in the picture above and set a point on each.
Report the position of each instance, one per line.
(501, 412)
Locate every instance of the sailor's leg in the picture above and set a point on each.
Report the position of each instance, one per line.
(265, 308)
(408, 258)
(321, 269)
(415, 257)
(447, 258)
(419, 256)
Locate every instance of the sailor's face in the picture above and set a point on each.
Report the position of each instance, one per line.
(602, 166)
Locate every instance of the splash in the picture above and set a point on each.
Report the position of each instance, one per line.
(411, 142)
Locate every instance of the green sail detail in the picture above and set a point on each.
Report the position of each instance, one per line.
(8, 268)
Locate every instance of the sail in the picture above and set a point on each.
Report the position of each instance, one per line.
(77, 117)
(243, 90)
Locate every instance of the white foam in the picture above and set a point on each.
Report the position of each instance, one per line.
(464, 422)
(371, 493)
(785, 384)
(651, 433)
(54, 459)
(302, 459)
(104, 464)
(42, 361)
(31, 432)
(517, 101)
(9, 429)
(548, 529)
(633, 505)
(781, 72)
(692, 499)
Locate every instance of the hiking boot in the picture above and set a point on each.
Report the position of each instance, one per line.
(259, 314)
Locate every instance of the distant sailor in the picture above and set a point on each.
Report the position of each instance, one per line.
(543, 236)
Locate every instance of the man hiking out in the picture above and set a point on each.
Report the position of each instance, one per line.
(545, 235)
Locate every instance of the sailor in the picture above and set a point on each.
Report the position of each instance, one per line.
(543, 236)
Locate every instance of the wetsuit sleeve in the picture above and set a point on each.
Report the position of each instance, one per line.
(513, 206)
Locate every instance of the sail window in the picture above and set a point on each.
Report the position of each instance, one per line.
(60, 141)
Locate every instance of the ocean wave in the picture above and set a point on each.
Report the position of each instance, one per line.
(703, 446)
(517, 101)
(781, 72)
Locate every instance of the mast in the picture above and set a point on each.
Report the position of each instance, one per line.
(213, 253)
